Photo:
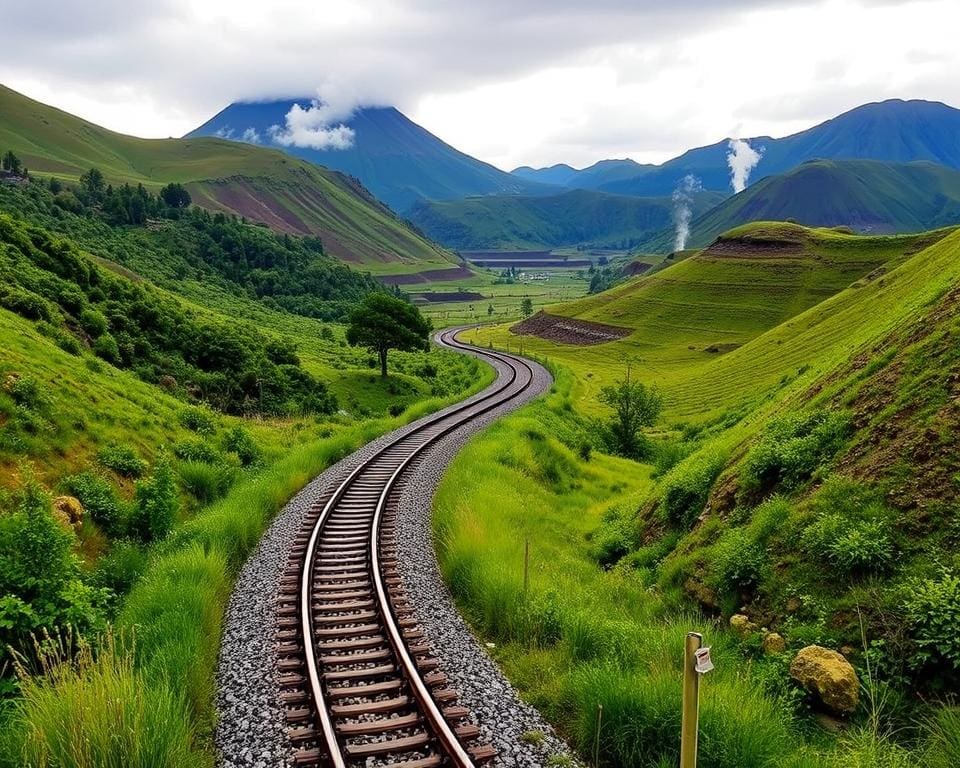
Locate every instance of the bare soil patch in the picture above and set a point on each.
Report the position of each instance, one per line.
(635, 268)
(448, 274)
(440, 297)
(568, 330)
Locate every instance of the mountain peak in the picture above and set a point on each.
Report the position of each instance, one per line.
(400, 161)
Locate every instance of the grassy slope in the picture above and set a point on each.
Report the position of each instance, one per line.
(723, 297)
(288, 194)
(176, 606)
(884, 349)
(578, 217)
(867, 195)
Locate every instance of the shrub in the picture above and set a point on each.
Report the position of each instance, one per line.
(40, 580)
(199, 420)
(93, 323)
(206, 482)
(932, 609)
(635, 406)
(612, 540)
(119, 569)
(739, 561)
(240, 442)
(106, 348)
(790, 450)
(27, 393)
(25, 303)
(686, 487)
(156, 503)
(122, 459)
(668, 453)
(851, 528)
(195, 450)
(100, 500)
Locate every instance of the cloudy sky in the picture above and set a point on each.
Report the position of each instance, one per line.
(510, 81)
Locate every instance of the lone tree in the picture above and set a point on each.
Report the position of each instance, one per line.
(176, 196)
(635, 406)
(383, 322)
(526, 307)
(11, 162)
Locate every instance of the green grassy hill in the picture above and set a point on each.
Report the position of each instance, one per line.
(160, 401)
(685, 319)
(803, 477)
(288, 194)
(578, 217)
(866, 195)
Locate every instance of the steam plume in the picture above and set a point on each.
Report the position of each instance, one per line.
(742, 158)
(683, 209)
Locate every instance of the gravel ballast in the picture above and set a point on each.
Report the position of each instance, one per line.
(251, 732)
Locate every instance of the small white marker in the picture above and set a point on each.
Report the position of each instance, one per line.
(702, 661)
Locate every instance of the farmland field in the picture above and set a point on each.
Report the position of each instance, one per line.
(542, 286)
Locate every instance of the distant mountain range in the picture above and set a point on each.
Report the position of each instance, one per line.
(287, 194)
(576, 217)
(396, 159)
(866, 195)
(894, 131)
(465, 203)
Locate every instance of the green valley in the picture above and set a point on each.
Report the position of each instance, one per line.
(575, 218)
(326, 443)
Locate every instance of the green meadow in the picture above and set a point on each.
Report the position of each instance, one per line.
(817, 432)
(558, 285)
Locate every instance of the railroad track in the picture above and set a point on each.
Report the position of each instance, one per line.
(358, 682)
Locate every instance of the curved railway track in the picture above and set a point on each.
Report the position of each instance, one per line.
(358, 682)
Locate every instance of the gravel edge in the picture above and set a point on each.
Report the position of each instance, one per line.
(250, 731)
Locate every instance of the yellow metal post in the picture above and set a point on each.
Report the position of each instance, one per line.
(691, 701)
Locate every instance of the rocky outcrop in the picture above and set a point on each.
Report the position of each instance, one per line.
(829, 677)
(68, 510)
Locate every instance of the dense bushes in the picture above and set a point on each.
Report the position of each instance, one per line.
(133, 325)
(791, 449)
(41, 585)
(122, 459)
(156, 505)
(100, 500)
(290, 273)
(686, 487)
(933, 616)
(851, 529)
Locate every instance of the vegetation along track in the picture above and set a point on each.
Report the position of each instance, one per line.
(364, 688)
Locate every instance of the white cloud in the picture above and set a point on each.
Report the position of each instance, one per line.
(511, 81)
(313, 127)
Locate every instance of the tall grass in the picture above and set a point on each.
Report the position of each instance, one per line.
(151, 703)
(95, 710)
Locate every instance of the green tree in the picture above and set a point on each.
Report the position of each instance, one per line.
(635, 406)
(11, 162)
(382, 322)
(176, 196)
(156, 505)
(92, 186)
(489, 310)
(526, 307)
